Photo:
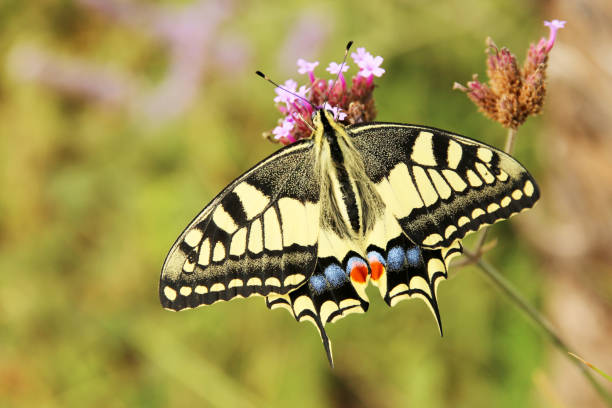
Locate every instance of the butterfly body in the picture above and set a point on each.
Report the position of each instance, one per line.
(313, 224)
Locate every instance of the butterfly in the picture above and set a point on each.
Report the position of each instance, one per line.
(313, 224)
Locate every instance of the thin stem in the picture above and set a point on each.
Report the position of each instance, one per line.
(510, 141)
(539, 321)
(515, 296)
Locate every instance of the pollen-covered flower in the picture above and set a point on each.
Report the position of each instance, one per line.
(349, 105)
(513, 94)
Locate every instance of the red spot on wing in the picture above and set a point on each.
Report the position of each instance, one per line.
(377, 269)
(359, 272)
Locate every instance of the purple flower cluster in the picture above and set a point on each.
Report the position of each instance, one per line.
(350, 105)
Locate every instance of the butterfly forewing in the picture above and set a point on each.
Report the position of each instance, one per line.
(439, 185)
(258, 236)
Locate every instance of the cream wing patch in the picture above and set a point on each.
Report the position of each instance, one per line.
(253, 200)
(273, 239)
(422, 151)
(400, 189)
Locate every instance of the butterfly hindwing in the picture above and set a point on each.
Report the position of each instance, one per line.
(258, 236)
(440, 185)
(402, 269)
(335, 289)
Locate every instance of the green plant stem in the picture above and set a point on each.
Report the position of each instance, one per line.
(510, 141)
(515, 296)
(540, 321)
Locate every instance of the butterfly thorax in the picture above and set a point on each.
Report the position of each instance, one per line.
(349, 202)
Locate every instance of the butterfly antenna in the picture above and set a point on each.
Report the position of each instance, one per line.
(346, 51)
(264, 76)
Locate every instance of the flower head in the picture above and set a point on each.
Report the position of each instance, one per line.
(513, 94)
(349, 105)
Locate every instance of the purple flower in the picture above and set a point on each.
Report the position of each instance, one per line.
(360, 55)
(348, 105)
(283, 131)
(554, 26)
(305, 67)
(371, 66)
(339, 114)
(334, 68)
(303, 91)
(282, 96)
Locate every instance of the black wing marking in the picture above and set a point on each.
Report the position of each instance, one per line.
(258, 236)
(440, 185)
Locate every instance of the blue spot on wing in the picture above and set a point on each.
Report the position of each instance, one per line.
(395, 258)
(318, 283)
(413, 256)
(377, 256)
(335, 275)
(351, 263)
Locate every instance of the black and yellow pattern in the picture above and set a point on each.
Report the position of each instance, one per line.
(313, 224)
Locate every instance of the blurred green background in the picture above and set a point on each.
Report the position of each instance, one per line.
(120, 120)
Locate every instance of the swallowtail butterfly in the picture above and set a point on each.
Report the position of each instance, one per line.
(312, 225)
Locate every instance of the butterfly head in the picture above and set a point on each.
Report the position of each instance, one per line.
(325, 120)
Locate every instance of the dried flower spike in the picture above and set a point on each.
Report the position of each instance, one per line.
(349, 105)
(513, 94)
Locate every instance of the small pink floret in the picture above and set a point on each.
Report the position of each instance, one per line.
(371, 66)
(305, 67)
(339, 114)
(284, 129)
(360, 55)
(282, 96)
(554, 26)
(334, 68)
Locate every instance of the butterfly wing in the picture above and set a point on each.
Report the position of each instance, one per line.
(335, 289)
(258, 236)
(439, 185)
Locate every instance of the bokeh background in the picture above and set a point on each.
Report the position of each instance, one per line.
(121, 119)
